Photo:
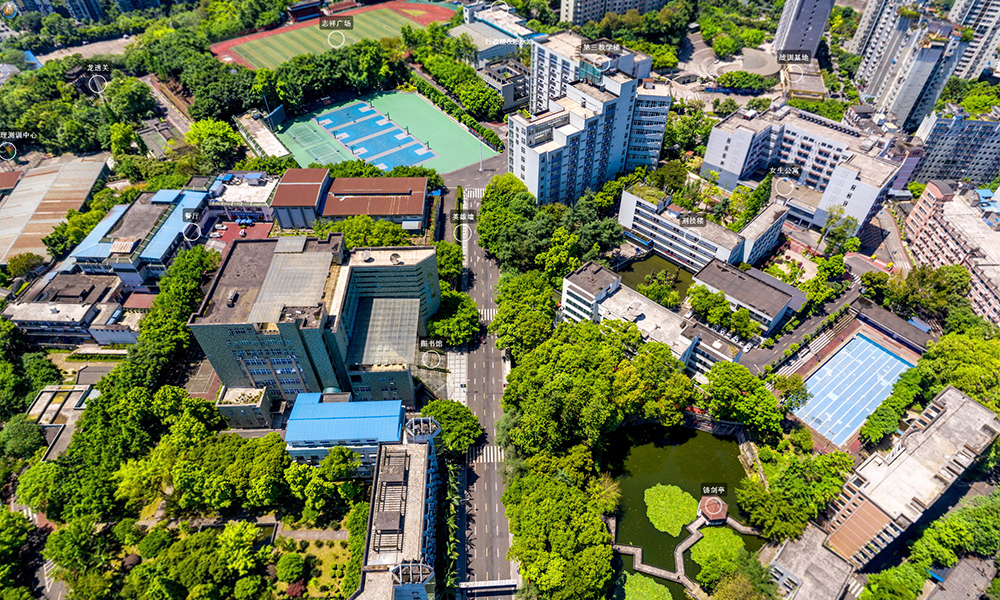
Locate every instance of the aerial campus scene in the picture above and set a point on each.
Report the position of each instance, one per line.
(533, 299)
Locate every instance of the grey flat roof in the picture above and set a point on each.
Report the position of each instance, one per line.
(292, 280)
(744, 287)
(656, 323)
(385, 332)
(798, 296)
(925, 455)
(822, 573)
(966, 581)
(592, 277)
(594, 91)
(897, 325)
(269, 273)
(759, 224)
(482, 35)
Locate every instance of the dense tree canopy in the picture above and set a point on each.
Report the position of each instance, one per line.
(457, 321)
(736, 395)
(526, 312)
(460, 428)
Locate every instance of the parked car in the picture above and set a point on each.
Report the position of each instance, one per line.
(689, 314)
(221, 227)
(215, 234)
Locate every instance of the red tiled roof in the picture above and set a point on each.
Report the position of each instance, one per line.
(139, 301)
(9, 179)
(300, 187)
(380, 196)
(712, 508)
(304, 176)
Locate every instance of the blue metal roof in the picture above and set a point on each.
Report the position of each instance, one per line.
(985, 193)
(312, 420)
(92, 247)
(173, 228)
(165, 196)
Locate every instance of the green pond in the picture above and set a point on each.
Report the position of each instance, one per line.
(650, 454)
(637, 271)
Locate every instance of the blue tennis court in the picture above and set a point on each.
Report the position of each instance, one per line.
(371, 136)
(848, 387)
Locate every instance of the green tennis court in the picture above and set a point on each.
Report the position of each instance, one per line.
(273, 50)
(453, 146)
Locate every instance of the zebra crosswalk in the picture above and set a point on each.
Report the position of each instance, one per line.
(486, 314)
(473, 193)
(855, 587)
(484, 454)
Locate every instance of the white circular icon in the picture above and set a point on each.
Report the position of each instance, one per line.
(795, 73)
(186, 229)
(463, 232)
(97, 84)
(498, 7)
(343, 39)
(784, 187)
(426, 359)
(8, 151)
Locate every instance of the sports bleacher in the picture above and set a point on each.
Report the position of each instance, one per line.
(341, 6)
(302, 11)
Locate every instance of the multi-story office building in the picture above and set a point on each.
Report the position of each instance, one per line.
(42, 6)
(906, 61)
(138, 241)
(320, 422)
(72, 309)
(766, 303)
(85, 10)
(951, 226)
(510, 79)
(649, 218)
(559, 59)
(593, 293)
(958, 146)
(291, 315)
(801, 26)
(983, 18)
(835, 169)
(594, 118)
(401, 544)
(579, 12)
(889, 492)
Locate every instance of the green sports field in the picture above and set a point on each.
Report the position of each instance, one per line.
(453, 147)
(271, 51)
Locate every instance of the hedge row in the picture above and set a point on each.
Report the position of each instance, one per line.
(456, 111)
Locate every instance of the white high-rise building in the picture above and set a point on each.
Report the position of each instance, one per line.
(801, 26)
(957, 146)
(579, 12)
(838, 164)
(557, 60)
(906, 76)
(594, 117)
(983, 18)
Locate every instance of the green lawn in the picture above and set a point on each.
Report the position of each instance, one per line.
(273, 50)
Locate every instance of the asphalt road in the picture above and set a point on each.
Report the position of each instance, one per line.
(487, 537)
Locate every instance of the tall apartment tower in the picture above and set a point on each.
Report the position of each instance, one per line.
(801, 26)
(873, 22)
(983, 17)
(594, 116)
(85, 10)
(906, 62)
(957, 145)
(579, 12)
